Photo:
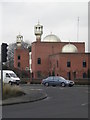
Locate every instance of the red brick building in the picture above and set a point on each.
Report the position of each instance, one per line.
(51, 56)
(21, 55)
(70, 65)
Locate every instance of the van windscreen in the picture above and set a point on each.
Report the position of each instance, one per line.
(13, 75)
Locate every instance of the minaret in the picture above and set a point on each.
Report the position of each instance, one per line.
(19, 40)
(38, 31)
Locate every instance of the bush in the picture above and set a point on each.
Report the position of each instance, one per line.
(24, 80)
(85, 81)
(11, 91)
(36, 81)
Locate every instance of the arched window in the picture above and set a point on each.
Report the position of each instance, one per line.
(57, 63)
(68, 64)
(84, 63)
(19, 57)
(84, 75)
(39, 61)
(74, 74)
(39, 74)
(19, 64)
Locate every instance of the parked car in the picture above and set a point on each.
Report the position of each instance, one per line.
(57, 81)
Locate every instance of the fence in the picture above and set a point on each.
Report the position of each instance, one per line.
(85, 81)
(28, 80)
(78, 81)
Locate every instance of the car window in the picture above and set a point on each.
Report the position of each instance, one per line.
(56, 78)
(50, 78)
(62, 78)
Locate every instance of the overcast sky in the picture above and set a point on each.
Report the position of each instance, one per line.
(60, 18)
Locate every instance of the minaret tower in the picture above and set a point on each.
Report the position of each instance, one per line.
(19, 40)
(38, 31)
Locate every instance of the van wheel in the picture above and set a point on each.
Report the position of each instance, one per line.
(10, 82)
(17, 83)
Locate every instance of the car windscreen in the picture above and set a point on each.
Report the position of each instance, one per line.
(13, 75)
(62, 78)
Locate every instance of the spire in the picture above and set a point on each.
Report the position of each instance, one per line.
(51, 32)
(38, 30)
(38, 21)
(19, 33)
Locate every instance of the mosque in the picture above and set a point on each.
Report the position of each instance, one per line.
(51, 56)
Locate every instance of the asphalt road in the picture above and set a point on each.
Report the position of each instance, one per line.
(62, 102)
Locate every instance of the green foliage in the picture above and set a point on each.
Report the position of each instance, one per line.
(29, 48)
(4, 67)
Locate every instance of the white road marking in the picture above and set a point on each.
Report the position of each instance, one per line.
(35, 89)
(84, 104)
(61, 88)
(47, 98)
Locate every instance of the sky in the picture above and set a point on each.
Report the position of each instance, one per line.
(60, 18)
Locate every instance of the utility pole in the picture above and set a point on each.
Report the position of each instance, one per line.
(77, 29)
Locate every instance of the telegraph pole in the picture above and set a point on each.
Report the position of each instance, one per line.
(77, 29)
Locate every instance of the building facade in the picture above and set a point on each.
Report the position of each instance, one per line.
(70, 65)
(51, 56)
(21, 55)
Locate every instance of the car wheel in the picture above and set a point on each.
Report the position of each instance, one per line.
(70, 85)
(63, 84)
(46, 84)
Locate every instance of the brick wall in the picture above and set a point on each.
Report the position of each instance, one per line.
(43, 50)
(24, 58)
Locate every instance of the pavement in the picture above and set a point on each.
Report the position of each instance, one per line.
(30, 96)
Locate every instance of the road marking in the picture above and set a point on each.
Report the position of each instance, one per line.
(61, 88)
(36, 89)
(84, 104)
(47, 98)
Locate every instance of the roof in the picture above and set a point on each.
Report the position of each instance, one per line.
(51, 38)
(69, 48)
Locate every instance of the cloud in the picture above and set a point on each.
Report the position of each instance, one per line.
(56, 17)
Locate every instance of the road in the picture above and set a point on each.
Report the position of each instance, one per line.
(62, 102)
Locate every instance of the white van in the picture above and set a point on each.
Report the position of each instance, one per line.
(10, 77)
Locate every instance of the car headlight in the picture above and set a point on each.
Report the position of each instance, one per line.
(67, 81)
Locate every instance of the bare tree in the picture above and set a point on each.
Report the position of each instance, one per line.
(11, 47)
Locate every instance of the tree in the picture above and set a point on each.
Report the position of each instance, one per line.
(11, 47)
(88, 73)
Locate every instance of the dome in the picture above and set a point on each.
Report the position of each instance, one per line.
(69, 48)
(51, 38)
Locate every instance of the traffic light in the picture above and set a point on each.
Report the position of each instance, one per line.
(4, 52)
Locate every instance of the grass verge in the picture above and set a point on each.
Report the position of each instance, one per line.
(11, 91)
